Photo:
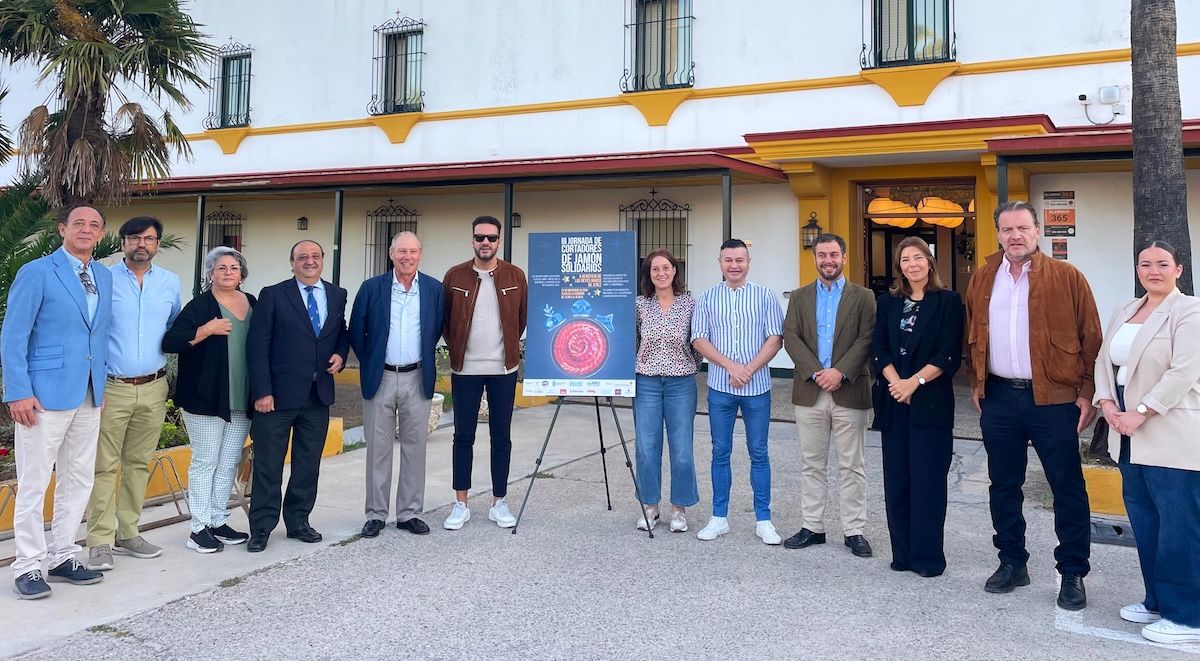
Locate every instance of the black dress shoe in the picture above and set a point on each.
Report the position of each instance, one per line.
(858, 546)
(899, 566)
(258, 542)
(804, 538)
(305, 534)
(371, 528)
(413, 525)
(926, 573)
(1006, 578)
(1072, 596)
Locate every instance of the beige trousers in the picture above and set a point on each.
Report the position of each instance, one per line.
(63, 443)
(399, 395)
(815, 426)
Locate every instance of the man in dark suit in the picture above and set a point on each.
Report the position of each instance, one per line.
(827, 332)
(297, 342)
(394, 330)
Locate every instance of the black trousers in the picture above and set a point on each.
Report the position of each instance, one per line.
(501, 393)
(307, 427)
(1009, 422)
(916, 461)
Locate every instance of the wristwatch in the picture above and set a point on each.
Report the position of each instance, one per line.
(921, 380)
(1143, 409)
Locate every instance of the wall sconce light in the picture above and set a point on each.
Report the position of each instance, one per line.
(515, 219)
(302, 223)
(810, 232)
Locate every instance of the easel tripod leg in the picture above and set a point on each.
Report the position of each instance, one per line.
(629, 464)
(538, 464)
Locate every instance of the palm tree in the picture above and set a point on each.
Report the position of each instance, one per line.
(6, 148)
(82, 150)
(1159, 180)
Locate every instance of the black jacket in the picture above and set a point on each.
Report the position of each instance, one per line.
(937, 341)
(283, 351)
(202, 387)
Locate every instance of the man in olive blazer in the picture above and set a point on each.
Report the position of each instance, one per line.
(827, 332)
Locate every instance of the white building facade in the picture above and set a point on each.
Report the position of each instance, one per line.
(685, 120)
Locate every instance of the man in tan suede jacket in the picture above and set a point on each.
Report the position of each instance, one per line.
(1033, 335)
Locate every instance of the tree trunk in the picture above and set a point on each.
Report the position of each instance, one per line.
(1159, 179)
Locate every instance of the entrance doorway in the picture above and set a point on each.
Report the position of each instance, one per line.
(942, 212)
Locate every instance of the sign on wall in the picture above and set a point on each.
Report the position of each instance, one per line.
(1058, 248)
(580, 337)
(1058, 212)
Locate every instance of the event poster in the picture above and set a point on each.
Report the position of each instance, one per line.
(581, 329)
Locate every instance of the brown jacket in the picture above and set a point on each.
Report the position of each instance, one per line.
(852, 328)
(460, 287)
(1064, 329)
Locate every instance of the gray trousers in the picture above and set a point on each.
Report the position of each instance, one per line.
(400, 394)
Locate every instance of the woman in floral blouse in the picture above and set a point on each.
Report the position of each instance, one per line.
(666, 388)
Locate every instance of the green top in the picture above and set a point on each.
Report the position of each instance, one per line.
(239, 382)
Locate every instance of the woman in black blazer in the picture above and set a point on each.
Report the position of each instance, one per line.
(213, 390)
(915, 351)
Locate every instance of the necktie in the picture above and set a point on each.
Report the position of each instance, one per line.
(313, 315)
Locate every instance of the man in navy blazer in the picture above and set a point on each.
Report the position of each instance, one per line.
(394, 331)
(297, 342)
(54, 347)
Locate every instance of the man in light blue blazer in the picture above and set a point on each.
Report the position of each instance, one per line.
(54, 347)
(394, 330)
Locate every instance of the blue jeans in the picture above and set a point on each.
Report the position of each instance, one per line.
(756, 416)
(1164, 510)
(670, 400)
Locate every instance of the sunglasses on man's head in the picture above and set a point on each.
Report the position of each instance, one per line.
(490, 238)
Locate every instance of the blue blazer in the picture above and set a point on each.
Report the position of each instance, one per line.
(937, 340)
(48, 347)
(370, 323)
(282, 351)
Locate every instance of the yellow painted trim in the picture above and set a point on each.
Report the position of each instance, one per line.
(911, 86)
(230, 139)
(657, 107)
(396, 127)
(227, 139)
(1104, 490)
(962, 139)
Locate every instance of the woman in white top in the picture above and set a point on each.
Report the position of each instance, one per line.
(1148, 385)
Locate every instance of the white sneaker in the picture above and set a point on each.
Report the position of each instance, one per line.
(458, 516)
(500, 514)
(1166, 631)
(1139, 613)
(766, 532)
(717, 526)
(678, 522)
(652, 514)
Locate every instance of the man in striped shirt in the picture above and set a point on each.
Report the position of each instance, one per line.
(738, 326)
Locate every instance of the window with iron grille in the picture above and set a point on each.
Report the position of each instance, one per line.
(223, 228)
(229, 104)
(658, 45)
(383, 224)
(906, 32)
(658, 224)
(397, 62)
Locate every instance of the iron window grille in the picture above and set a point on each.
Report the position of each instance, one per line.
(223, 228)
(383, 224)
(658, 224)
(229, 103)
(658, 45)
(397, 60)
(907, 32)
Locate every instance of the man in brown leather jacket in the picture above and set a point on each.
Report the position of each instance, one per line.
(1034, 334)
(486, 300)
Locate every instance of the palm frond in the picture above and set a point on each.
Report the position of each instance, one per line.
(6, 147)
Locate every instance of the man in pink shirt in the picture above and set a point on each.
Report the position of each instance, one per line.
(1034, 334)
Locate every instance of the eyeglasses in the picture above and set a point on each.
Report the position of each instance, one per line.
(490, 238)
(86, 279)
(228, 269)
(137, 240)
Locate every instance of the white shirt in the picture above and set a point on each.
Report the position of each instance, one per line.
(404, 330)
(1118, 350)
(1008, 321)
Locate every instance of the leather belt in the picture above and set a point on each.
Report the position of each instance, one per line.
(139, 380)
(402, 368)
(1019, 384)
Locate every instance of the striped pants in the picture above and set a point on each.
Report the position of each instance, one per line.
(216, 449)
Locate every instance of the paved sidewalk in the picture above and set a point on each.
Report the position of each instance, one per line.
(580, 582)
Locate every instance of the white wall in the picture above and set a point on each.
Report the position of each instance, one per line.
(1103, 247)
